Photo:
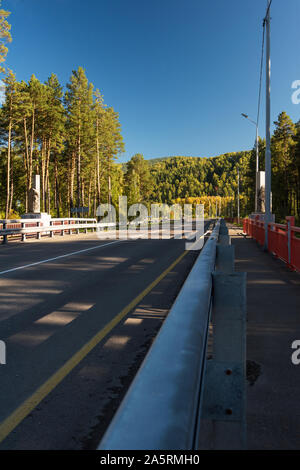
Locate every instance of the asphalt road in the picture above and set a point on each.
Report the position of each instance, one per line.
(77, 316)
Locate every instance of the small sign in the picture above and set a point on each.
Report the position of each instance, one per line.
(79, 210)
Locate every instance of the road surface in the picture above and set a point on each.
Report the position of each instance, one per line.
(77, 316)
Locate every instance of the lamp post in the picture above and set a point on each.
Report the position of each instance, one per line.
(257, 157)
(267, 21)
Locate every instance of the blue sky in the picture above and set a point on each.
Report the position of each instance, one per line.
(179, 72)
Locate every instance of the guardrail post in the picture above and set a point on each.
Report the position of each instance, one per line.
(224, 397)
(225, 258)
(224, 400)
(23, 237)
(38, 234)
(4, 236)
(62, 232)
(224, 238)
(51, 231)
(229, 316)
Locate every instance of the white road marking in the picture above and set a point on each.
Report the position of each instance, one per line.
(59, 257)
(71, 254)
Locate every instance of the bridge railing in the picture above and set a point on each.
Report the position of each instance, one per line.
(283, 239)
(176, 386)
(35, 227)
(23, 228)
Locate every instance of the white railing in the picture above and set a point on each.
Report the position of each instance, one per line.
(21, 228)
(35, 227)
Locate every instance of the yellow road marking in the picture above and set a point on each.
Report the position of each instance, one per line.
(28, 405)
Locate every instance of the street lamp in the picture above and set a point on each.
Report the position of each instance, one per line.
(268, 210)
(257, 157)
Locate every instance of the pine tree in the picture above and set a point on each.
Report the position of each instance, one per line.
(79, 106)
(99, 116)
(5, 36)
(37, 107)
(52, 129)
(112, 144)
(138, 179)
(8, 120)
(296, 166)
(281, 143)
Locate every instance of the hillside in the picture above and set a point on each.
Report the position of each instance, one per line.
(181, 177)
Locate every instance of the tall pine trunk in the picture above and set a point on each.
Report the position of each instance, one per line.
(47, 184)
(8, 169)
(56, 186)
(95, 195)
(89, 194)
(98, 163)
(78, 167)
(26, 164)
(72, 180)
(31, 148)
(11, 183)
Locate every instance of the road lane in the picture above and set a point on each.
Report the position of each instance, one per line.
(48, 260)
(49, 311)
(18, 254)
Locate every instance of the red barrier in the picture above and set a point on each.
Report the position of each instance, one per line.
(283, 241)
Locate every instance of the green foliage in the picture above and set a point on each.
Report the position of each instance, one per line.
(283, 165)
(138, 180)
(181, 177)
(72, 140)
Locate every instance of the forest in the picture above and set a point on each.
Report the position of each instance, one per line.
(72, 139)
(214, 181)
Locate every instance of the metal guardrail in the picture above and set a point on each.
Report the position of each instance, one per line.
(174, 390)
(160, 410)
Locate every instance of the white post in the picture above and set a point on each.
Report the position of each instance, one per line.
(256, 172)
(268, 122)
